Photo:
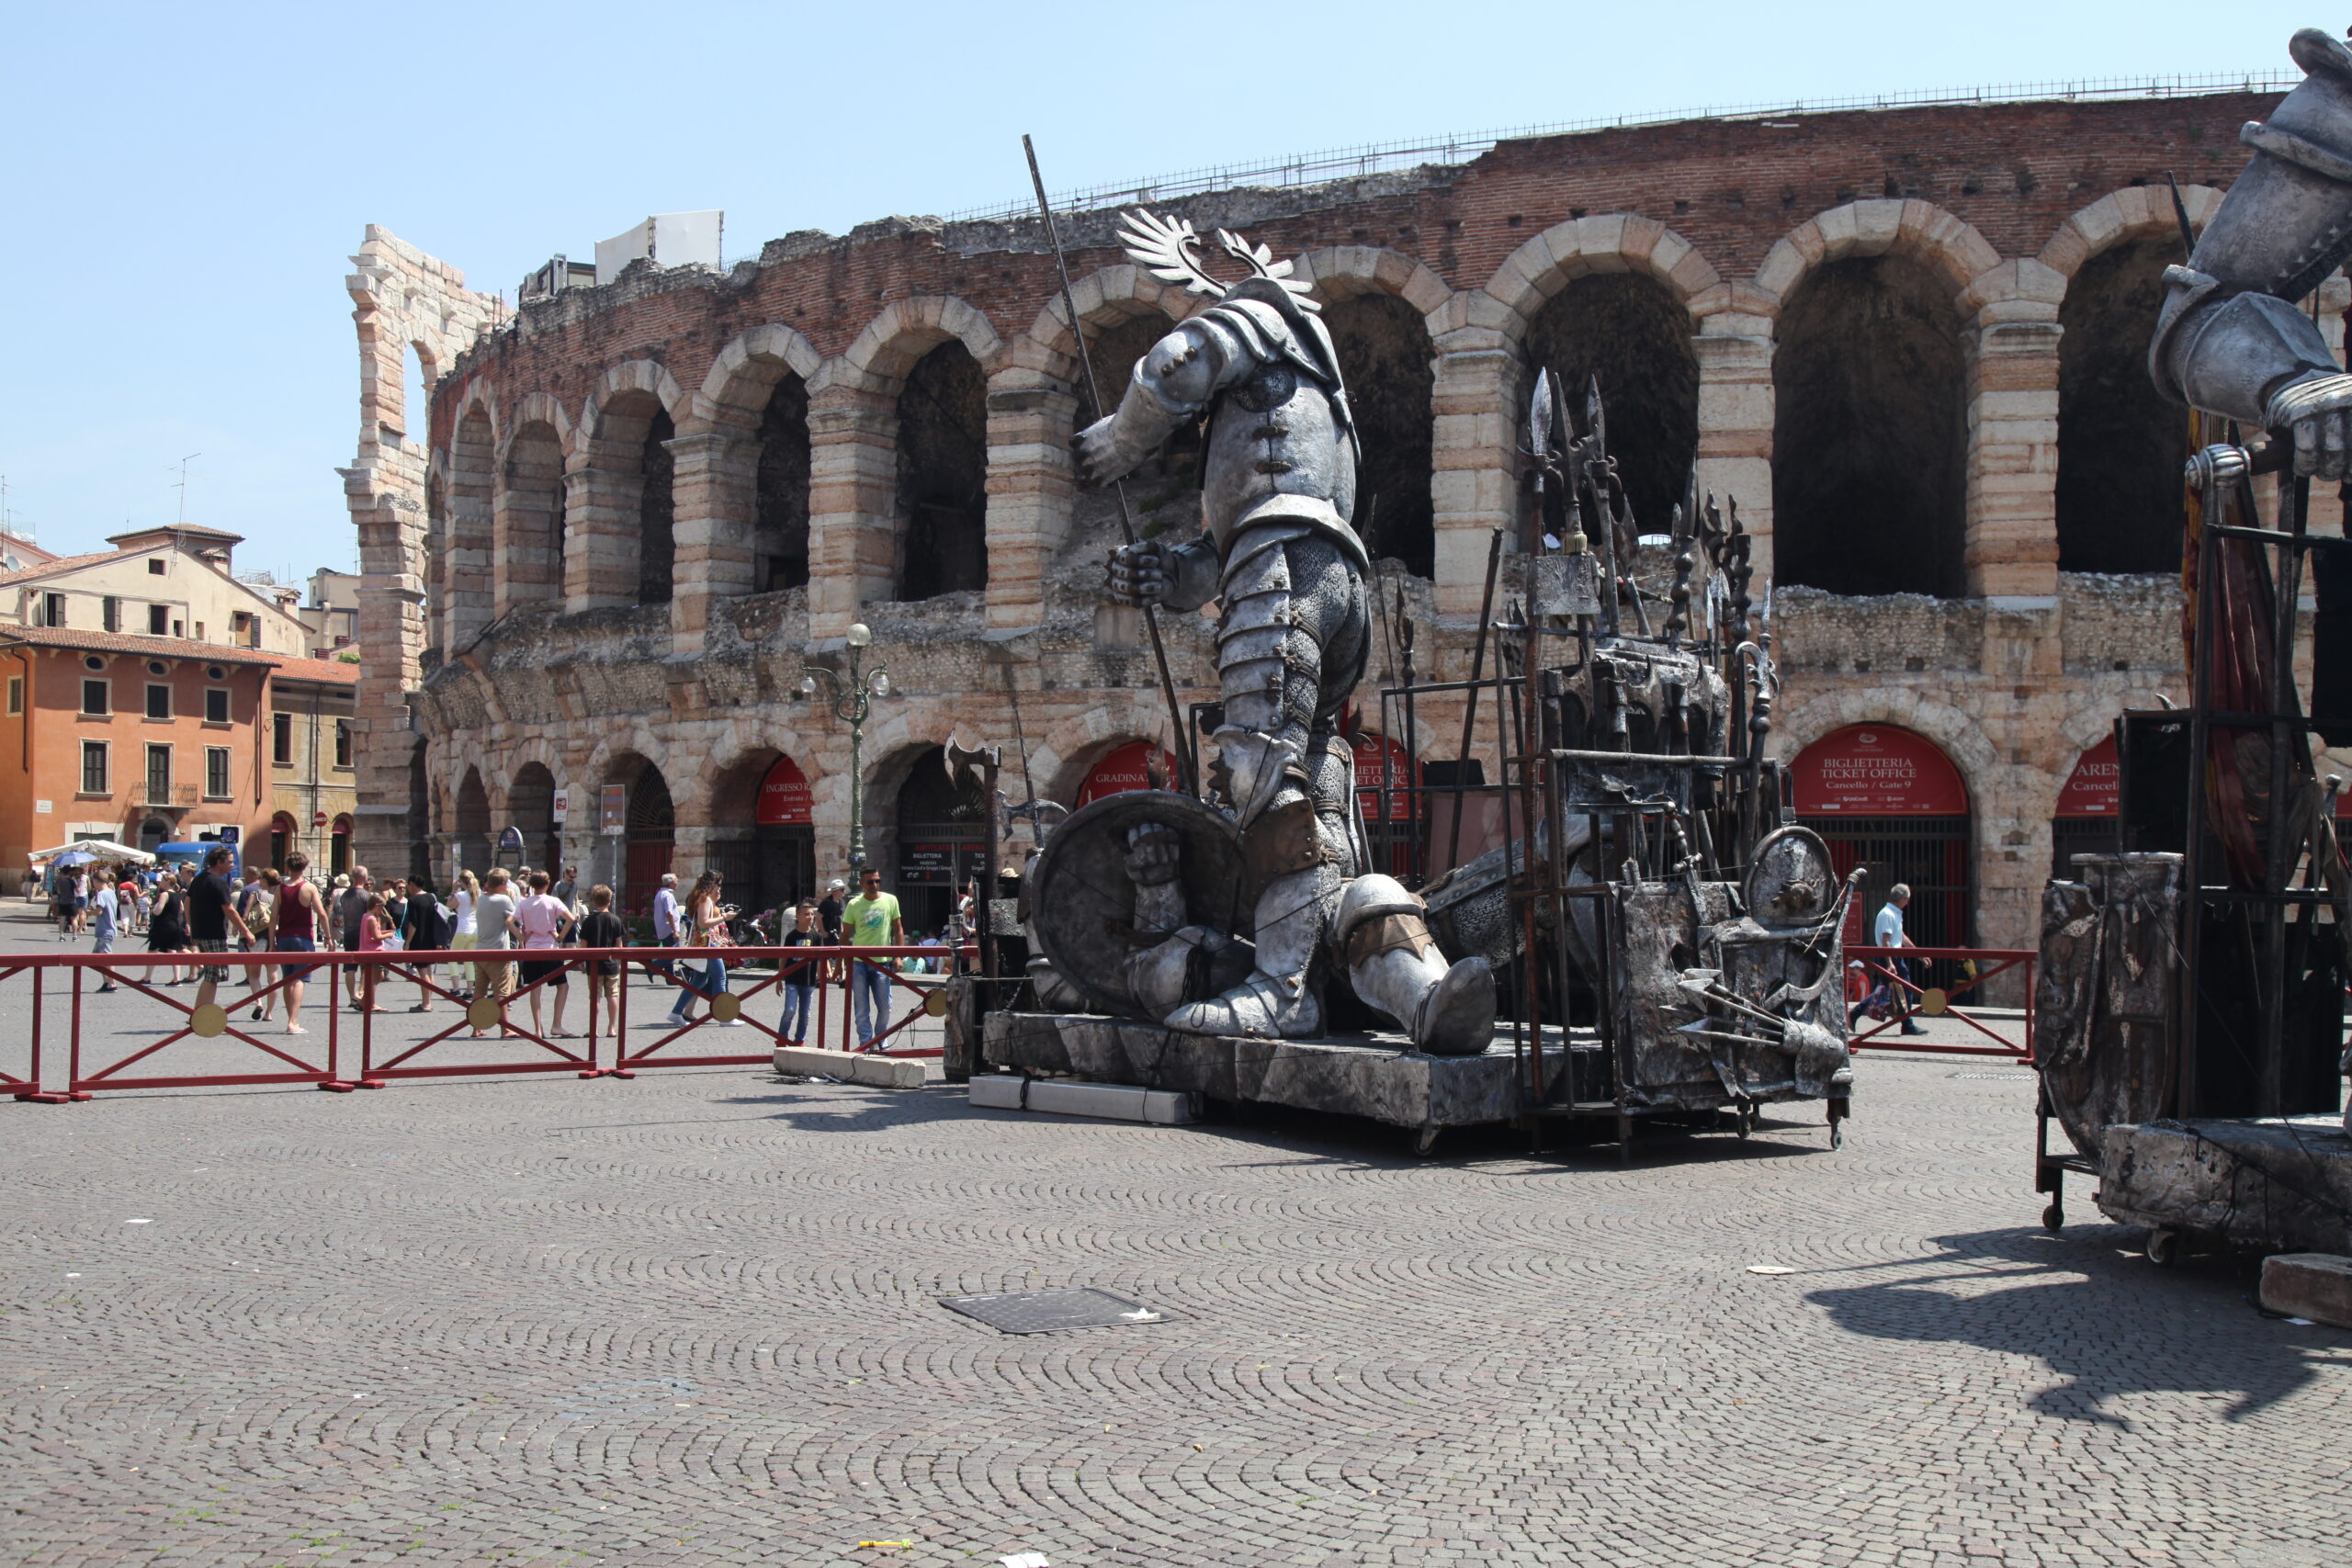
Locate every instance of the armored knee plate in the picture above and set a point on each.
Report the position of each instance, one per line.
(1383, 936)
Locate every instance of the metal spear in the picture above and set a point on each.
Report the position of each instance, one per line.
(1186, 760)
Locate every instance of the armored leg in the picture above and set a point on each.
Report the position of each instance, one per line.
(1291, 647)
(1384, 937)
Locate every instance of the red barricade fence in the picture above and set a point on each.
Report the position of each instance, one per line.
(342, 1053)
(1933, 982)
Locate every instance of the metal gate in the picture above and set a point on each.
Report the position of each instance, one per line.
(1931, 853)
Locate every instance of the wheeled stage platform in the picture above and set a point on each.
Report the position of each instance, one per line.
(2278, 1184)
(1379, 1076)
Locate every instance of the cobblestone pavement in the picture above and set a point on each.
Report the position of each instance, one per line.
(690, 1319)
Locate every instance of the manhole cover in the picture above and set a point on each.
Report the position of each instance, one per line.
(1049, 1311)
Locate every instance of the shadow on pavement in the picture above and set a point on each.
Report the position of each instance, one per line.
(2103, 1319)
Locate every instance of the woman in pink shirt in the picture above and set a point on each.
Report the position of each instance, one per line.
(546, 922)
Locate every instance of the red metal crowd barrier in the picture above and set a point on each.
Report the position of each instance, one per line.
(1888, 966)
(344, 1054)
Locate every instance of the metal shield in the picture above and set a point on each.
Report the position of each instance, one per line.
(1082, 905)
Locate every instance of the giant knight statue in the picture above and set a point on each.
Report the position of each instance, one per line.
(1280, 555)
(2231, 339)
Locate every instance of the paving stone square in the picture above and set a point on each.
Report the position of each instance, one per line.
(693, 1318)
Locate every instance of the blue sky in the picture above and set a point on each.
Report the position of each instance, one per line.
(187, 183)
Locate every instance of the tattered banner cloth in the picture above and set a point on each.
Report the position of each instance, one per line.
(2237, 773)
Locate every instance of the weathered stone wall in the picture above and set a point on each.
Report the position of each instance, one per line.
(405, 302)
(1715, 227)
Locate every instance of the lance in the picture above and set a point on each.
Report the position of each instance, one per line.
(1187, 764)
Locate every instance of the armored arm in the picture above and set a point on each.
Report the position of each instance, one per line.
(1172, 383)
(2230, 339)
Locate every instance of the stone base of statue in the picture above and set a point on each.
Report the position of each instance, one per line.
(1378, 1076)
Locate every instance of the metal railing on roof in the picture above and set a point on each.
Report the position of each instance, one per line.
(1342, 162)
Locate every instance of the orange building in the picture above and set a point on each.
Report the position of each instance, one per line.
(143, 739)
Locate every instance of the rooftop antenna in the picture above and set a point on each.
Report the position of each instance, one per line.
(182, 487)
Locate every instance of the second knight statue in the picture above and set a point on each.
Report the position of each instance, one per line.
(1280, 555)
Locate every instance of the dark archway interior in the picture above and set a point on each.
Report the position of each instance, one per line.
(942, 832)
(658, 549)
(530, 806)
(2120, 443)
(1164, 490)
(1628, 331)
(943, 475)
(1384, 355)
(651, 816)
(1868, 445)
(420, 817)
(473, 805)
(471, 826)
(534, 504)
(780, 547)
(437, 559)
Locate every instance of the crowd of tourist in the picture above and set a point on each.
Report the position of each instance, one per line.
(186, 912)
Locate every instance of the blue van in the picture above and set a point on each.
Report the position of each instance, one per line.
(171, 857)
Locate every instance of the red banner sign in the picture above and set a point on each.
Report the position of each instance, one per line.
(1877, 770)
(2093, 789)
(783, 797)
(1128, 767)
(1401, 773)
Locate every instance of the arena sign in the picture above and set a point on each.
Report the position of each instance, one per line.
(783, 797)
(2094, 788)
(1128, 767)
(1877, 770)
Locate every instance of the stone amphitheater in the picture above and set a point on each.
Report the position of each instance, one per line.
(1907, 342)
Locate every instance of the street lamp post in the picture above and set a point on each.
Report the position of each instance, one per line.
(852, 700)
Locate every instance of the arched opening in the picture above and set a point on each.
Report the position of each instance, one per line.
(415, 421)
(780, 549)
(1627, 331)
(2120, 443)
(420, 814)
(2085, 821)
(1165, 489)
(468, 586)
(1890, 801)
(437, 561)
(530, 810)
(628, 440)
(152, 832)
(283, 836)
(942, 839)
(1384, 355)
(530, 559)
(339, 847)
(764, 838)
(471, 844)
(1869, 440)
(650, 837)
(942, 476)
(656, 513)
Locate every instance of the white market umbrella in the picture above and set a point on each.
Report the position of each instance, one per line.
(97, 849)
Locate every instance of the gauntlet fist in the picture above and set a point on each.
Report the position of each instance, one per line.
(2319, 412)
(1141, 572)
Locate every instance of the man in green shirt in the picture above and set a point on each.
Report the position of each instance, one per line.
(871, 919)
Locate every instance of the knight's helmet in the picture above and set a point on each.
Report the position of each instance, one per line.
(2284, 227)
(1169, 251)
